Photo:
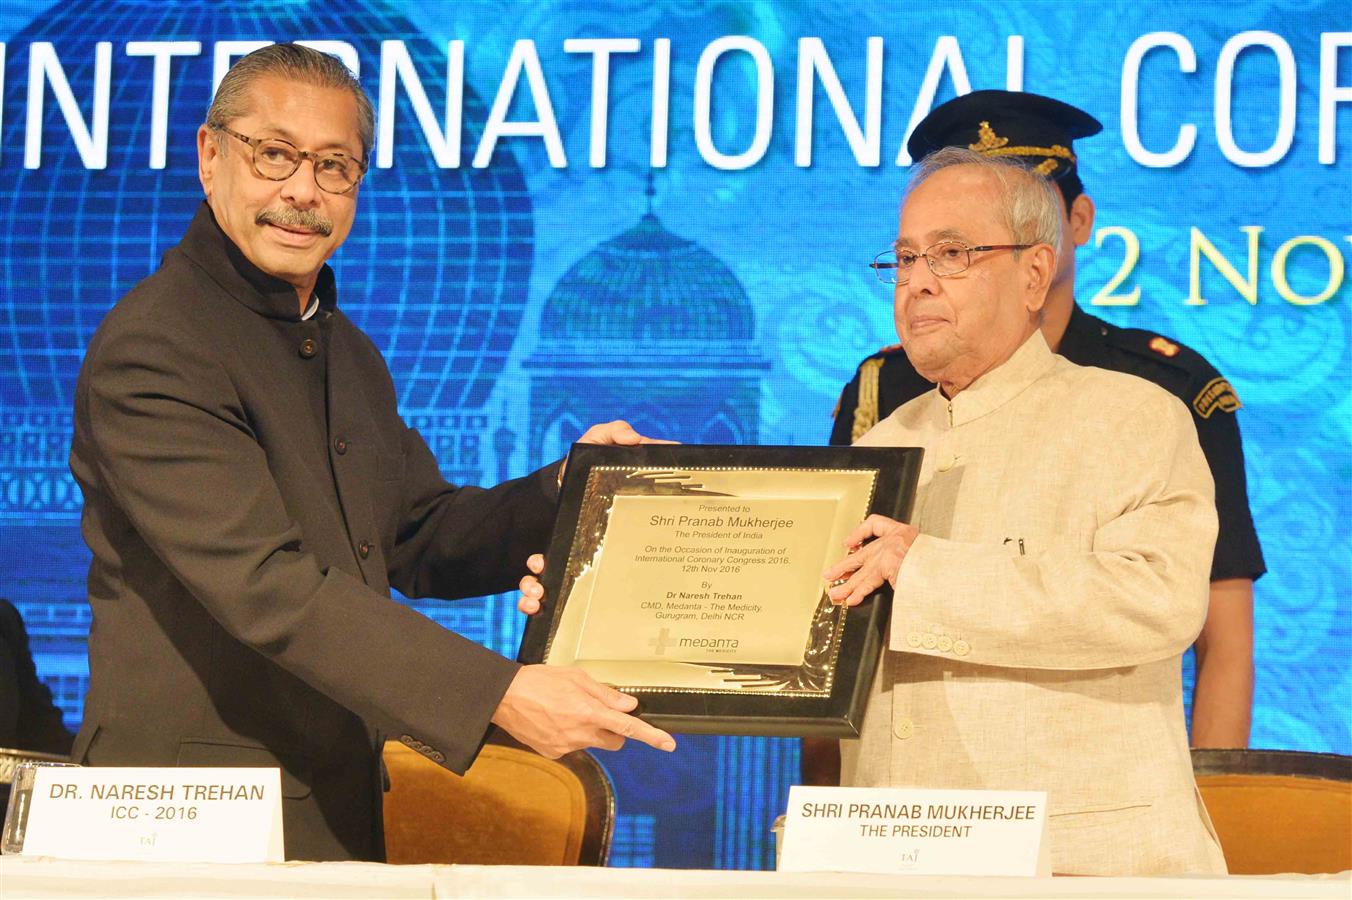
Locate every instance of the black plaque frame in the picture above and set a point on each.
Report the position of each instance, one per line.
(838, 713)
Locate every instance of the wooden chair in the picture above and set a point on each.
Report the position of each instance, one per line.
(513, 807)
(1279, 810)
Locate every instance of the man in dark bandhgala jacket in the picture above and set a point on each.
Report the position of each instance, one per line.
(251, 495)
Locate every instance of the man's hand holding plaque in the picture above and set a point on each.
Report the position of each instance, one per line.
(618, 433)
(876, 550)
(557, 710)
(532, 591)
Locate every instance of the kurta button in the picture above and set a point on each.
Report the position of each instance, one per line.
(903, 728)
(308, 348)
(948, 462)
(340, 445)
(364, 549)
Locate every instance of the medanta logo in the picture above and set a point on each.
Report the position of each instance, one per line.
(706, 643)
(663, 641)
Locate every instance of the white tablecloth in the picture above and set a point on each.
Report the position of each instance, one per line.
(23, 877)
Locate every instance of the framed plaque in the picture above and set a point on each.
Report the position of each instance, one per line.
(690, 577)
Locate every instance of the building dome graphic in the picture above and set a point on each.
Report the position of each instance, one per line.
(648, 286)
(436, 269)
(652, 328)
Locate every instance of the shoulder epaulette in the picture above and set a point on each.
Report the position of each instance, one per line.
(866, 408)
(1213, 391)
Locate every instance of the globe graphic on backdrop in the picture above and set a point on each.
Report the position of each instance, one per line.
(436, 270)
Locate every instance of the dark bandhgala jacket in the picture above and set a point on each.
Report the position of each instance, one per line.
(251, 495)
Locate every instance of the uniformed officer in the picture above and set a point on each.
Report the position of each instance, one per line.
(1041, 131)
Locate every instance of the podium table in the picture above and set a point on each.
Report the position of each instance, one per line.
(24, 877)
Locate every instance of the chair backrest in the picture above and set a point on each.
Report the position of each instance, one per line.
(1279, 810)
(513, 807)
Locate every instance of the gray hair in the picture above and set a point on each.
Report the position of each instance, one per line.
(1031, 206)
(294, 63)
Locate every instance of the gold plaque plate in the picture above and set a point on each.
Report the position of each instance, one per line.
(690, 576)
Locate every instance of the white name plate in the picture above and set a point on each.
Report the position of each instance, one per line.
(169, 814)
(914, 831)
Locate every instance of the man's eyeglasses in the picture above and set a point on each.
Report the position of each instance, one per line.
(944, 258)
(277, 160)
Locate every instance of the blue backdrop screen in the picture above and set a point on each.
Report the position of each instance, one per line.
(663, 211)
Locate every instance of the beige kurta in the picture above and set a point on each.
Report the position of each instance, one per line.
(1038, 625)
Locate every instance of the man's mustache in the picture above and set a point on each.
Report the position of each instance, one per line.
(286, 217)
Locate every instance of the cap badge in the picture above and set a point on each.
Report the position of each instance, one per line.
(991, 144)
(988, 140)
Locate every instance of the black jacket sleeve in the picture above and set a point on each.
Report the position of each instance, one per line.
(29, 720)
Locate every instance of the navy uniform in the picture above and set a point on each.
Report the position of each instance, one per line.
(1041, 131)
(886, 380)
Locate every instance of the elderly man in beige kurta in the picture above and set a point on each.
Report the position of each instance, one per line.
(1044, 589)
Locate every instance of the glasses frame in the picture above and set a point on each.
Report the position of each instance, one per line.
(301, 156)
(881, 267)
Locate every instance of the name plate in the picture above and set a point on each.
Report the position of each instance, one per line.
(917, 832)
(157, 814)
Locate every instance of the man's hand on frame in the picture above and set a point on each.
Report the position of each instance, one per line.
(875, 552)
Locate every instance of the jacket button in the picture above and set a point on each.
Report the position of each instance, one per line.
(962, 648)
(903, 728)
(364, 549)
(929, 641)
(340, 445)
(308, 348)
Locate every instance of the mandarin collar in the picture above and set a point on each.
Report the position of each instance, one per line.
(1001, 384)
(209, 247)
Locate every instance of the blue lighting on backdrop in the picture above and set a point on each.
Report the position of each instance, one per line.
(662, 211)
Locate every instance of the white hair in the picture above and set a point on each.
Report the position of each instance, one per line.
(1031, 206)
